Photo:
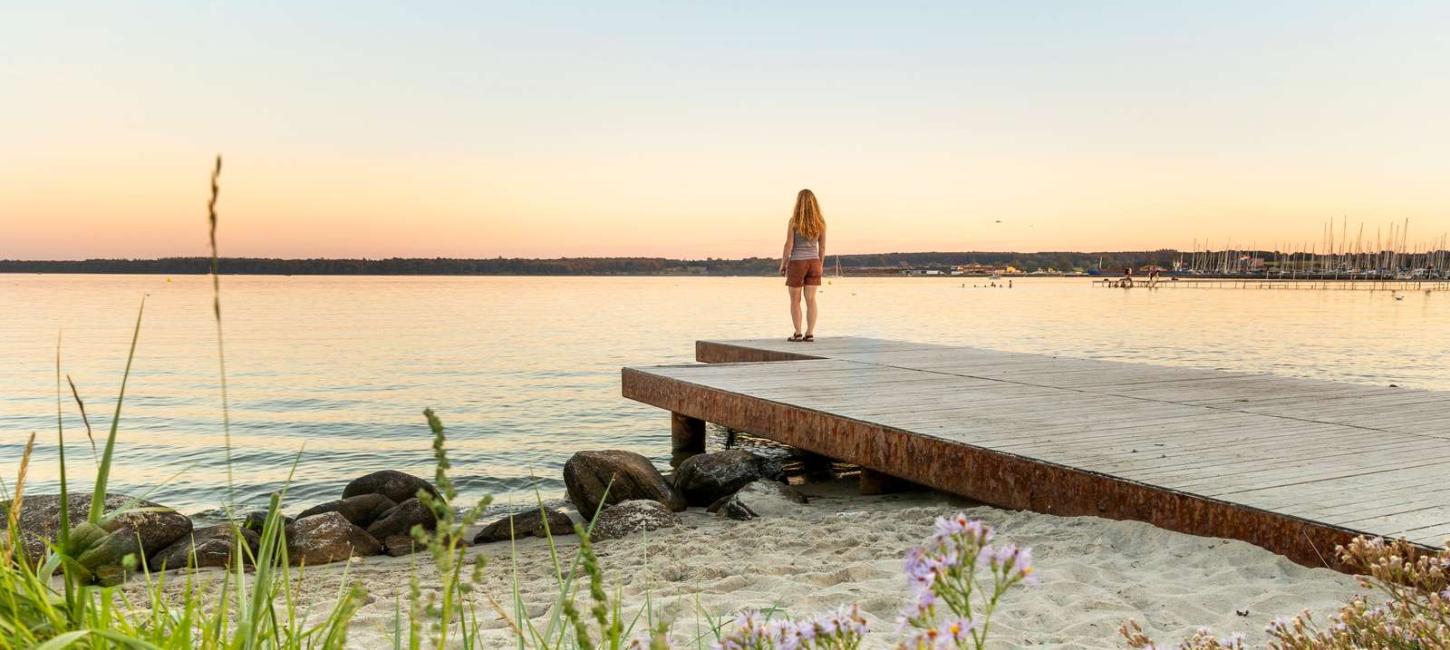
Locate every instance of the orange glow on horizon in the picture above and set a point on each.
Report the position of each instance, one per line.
(685, 131)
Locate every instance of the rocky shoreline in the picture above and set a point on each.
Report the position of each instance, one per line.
(841, 547)
(616, 494)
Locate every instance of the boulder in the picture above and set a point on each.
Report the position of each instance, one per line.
(362, 510)
(137, 532)
(110, 557)
(256, 521)
(328, 537)
(213, 546)
(707, 478)
(400, 519)
(529, 523)
(624, 475)
(634, 516)
(758, 499)
(396, 486)
(400, 545)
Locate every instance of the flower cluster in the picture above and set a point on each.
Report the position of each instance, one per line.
(951, 633)
(951, 604)
(1202, 639)
(842, 629)
(1414, 613)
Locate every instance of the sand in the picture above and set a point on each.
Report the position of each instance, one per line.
(842, 548)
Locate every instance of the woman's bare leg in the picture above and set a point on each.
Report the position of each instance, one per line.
(810, 311)
(795, 307)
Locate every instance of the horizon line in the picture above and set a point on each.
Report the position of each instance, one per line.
(23, 260)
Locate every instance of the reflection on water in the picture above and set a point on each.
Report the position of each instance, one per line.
(334, 373)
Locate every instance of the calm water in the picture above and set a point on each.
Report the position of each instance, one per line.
(335, 372)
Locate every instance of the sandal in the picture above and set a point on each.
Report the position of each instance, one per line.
(794, 338)
(809, 338)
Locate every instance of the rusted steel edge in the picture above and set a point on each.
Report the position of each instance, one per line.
(718, 352)
(992, 477)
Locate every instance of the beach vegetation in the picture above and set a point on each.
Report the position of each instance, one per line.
(957, 579)
(1407, 606)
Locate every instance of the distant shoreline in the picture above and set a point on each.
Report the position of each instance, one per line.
(975, 263)
(1231, 264)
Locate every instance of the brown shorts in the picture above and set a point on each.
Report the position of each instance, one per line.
(800, 273)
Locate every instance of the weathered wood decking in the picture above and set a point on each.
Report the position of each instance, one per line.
(1292, 465)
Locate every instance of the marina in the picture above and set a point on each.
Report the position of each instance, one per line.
(1325, 284)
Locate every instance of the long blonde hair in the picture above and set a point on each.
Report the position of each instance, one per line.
(807, 218)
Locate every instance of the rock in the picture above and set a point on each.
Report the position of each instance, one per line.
(400, 545)
(634, 516)
(113, 556)
(625, 475)
(136, 532)
(529, 523)
(396, 486)
(758, 499)
(707, 478)
(732, 508)
(256, 521)
(362, 510)
(400, 520)
(213, 546)
(328, 537)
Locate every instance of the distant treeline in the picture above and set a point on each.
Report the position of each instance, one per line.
(884, 262)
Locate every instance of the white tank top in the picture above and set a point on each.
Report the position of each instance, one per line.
(805, 249)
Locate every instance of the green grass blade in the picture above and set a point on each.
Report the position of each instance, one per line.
(63, 538)
(64, 640)
(98, 496)
(85, 419)
(60, 451)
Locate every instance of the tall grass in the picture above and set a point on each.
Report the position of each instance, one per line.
(59, 600)
(84, 612)
(221, 354)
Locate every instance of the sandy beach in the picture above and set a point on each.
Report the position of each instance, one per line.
(843, 548)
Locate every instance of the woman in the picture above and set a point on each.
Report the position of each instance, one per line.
(800, 261)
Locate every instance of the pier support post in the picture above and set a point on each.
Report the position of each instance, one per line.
(874, 483)
(687, 437)
(815, 466)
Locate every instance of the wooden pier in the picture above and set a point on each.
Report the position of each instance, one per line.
(1292, 465)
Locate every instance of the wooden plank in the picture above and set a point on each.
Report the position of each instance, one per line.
(1306, 474)
(1348, 493)
(1431, 536)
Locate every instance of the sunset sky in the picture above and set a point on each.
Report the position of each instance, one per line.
(684, 129)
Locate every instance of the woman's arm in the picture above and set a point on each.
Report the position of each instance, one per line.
(821, 244)
(785, 252)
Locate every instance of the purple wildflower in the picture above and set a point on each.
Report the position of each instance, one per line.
(954, 631)
(923, 608)
(948, 527)
(920, 570)
(1235, 640)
